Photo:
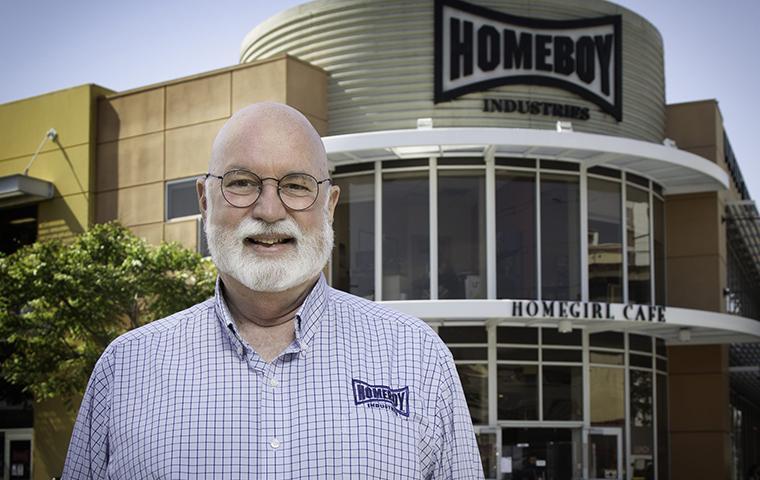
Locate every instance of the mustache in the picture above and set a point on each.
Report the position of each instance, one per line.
(250, 227)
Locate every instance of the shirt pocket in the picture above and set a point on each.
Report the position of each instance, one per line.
(379, 443)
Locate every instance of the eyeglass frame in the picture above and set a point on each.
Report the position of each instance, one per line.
(261, 188)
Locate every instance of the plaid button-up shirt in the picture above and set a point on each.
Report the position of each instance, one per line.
(362, 392)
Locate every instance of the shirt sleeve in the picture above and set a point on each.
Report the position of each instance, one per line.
(459, 455)
(87, 458)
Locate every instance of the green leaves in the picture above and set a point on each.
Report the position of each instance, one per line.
(62, 304)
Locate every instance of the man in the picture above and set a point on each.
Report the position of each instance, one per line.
(278, 375)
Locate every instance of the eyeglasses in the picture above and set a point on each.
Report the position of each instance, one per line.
(297, 191)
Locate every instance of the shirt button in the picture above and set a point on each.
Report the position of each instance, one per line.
(273, 382)
(274, 443)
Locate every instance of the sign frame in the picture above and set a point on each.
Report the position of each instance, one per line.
(440, 95)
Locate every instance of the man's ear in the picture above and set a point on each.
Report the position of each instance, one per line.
(200, 187)
(332, 201)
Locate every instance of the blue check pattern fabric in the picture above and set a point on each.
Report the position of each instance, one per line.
(362, 392)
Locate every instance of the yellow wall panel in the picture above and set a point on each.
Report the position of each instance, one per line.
(199, 100)
(188, 149)
(67, 168)
(53, 424)
(62, 218)
(307, 89)
(132, 206)
(129, 115)
(129, 162)
(184, 232)
(152, 233)
(264, 81)
(23, 124)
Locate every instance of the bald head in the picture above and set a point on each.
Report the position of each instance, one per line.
(273, 131)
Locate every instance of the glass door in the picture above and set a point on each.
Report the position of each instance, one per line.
(17, 455)
(605, 454)
(489, 444)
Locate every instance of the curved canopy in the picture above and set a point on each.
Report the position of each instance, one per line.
(676, 170)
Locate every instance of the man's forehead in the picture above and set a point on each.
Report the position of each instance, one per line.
(272, 136)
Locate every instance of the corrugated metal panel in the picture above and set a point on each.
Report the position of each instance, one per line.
(379, 56)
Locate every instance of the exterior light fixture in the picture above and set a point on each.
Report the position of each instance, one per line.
(565, 326)
(564, 126)
(684, 335)
(424, 124)
(51, 135)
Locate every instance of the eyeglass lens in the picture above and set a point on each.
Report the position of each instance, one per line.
(298, 191)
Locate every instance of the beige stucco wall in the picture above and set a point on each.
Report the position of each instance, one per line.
(153, 135)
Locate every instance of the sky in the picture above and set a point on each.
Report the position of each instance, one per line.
(710, 50)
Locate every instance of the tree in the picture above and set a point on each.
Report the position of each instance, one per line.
(62, 304)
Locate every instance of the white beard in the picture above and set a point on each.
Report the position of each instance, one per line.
(262, 274)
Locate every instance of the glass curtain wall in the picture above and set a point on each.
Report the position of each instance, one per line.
(658, 210)
(605, 241)
(353, 267)
(560, 237)
(406, 237)
(537, 222)
(516, 234)
(637, 232)
(461, 234)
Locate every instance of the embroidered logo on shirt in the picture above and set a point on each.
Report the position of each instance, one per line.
(396, 399)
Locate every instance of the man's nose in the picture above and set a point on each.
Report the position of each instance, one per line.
(268, 206)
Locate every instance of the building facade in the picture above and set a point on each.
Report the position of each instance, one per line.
(511, 173)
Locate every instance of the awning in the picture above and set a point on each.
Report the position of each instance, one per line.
(676, 170)
(23, 190)
(677, 326)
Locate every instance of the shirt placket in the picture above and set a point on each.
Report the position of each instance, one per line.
(274, 436)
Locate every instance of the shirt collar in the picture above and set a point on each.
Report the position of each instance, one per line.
(307, 318)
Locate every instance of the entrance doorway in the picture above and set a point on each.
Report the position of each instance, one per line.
(16, 454)
(605, 459)
(540, 453)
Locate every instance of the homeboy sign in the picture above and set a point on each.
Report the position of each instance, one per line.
(477, 48)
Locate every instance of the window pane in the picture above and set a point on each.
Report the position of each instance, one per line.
(474, 380)
(642, 361)
(461, 235)
(560, 242)
(515, 235)
(406, 236)
(659, 250)
(469, 353)
(519, 335)
(606, 340)
(637, 231)
(182, 198)
(557, 355)
(552, 336)
(605, 241)
(563, 393)
(477, 334)
(607, 392)
(517, 392)
(663, 464)
(354, 255)
(639, 343)
(642, 441)
(507, 353)
(607, 358)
